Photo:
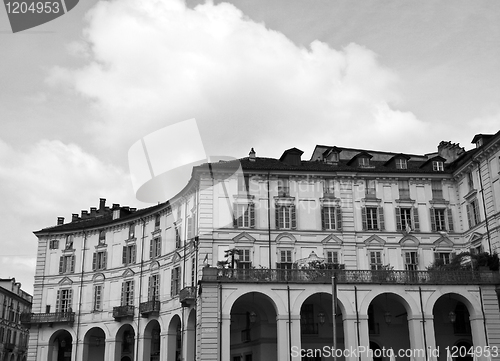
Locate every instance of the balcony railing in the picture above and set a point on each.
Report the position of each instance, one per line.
(120, 312)
(149, 308)
(187, 296)
(441, 277)
(9, 346)
(55, 317)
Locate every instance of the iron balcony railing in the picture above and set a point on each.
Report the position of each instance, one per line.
(187, 295)
(54, 317)
(149, 307)
(441, 277)
(120, 312)
(9, 346)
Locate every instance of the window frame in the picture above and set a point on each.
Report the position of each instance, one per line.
(97, 299)
(377, 256)
(437, 165)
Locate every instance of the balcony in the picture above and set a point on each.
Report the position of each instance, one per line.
(187, 296)
(9, 346)
(48, 318)
(149, 308)
(441, 277)
(120, 312)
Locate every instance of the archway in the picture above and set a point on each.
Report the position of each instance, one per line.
(152, 341)
(174, 339)
(316, 324)
(388, 324)
(253, 331)
(94, 344)
(451, 324)
(125, 343)
(60, 346)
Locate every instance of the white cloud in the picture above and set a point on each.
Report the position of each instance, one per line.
(154, 63)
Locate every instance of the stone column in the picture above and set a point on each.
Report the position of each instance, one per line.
(225, 342)
(296, 341)
(282, 337)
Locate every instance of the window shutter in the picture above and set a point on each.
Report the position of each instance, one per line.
(150, 288)
(278, 213)
(235, 215)
(61, 264)
(58, 301)
(381, 225)
(151, 248)
(476, 207)
(133, 253)
(450, 219)
(338, 215)
(124, 255)
(452, 255)
(105, 259)
(73, 264)
(131, 298)
(436, 256)
(252, 215)
(398, 219)
(323, 217)
(416, 222)
(159, 247)
(433, 219)
(294, 216)
(70, 300)
(94, 261)
(363, 218)
(123, 294)
(172, 281)
(190, 228)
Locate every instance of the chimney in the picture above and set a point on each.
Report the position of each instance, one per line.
(133, 209)
(84, 214)
(116, 205)
(102, 204)
(251, 155)
(60, 220)
(74, 217)
(93, 211)
(450, 151)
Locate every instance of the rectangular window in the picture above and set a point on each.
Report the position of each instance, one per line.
(102, 237)
(437, 166)
(63, 302)
(372, 218)
(154, 287)
(157, 222)
(244, 215)
(131, 231)
(67, 264)
(411, 261)
(243, 181)
(155, 247)
(128, 293)
(54, 244)
(376, 260)
(69, 242)
(99, 261)
(331, 218)
(404, 189)
(473, 213)
(97, 303)
(285, 260)
(364, 162)
(441, 219)
(470, 181)
(329, 187)
(244, 261)
(128, 255)
(283, 187)
(178, 237)
(437, 189)
(175, 285)
(190, 227)
(285, 217)
(371, 189)
(407, 219)
(332, 257)
(401, 163)
(193, 271)
(445, 257)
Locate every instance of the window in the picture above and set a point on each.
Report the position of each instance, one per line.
(154, 287)
(372, 218)
(67, 264)
(54, 244)
(102, 237)
(332, 259)
(128, 293)
(157, 222)
(97, 301)
(329, 187)
(243, 182)
(470, 181)
(283, 187)
(331, 218)
(376, 260)
(473, 213)
(69, 242)
(285, 217)
(190, 227)
(437, 166)
(131, 231)
(99, 261)
(244, 261)
(407, 219)
(178, 237)
(437, 189)
(364, 162)
(444, 257)
(441, 219)
(411, 261)
(155, 247)
(244, 215)
(175, 285)
(285, 260)
(371, 189)
(401, 163)
(193, 271)
(404, 189)
(128, 254)
(63, 302)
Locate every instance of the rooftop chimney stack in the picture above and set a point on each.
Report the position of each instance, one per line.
(102, 204)
(251, 155)
(60, 220)
(84, 214)
(74, 217)
(93, 211)
(450, 151)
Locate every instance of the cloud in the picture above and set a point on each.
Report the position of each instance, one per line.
(42, 182)
(154, 63)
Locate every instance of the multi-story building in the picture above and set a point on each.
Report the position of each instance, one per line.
(249, 259)
(13, 335)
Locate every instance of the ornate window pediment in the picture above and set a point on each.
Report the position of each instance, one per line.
(409, 241)
(244, 238)
(285, 238)
(66, 281)
(332, 240)
(374, 241)
(98, 277)
(128, 273)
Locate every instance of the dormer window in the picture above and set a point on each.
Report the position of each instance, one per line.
(334, 157)
(437, 166)
(364, 162)
(401, 163)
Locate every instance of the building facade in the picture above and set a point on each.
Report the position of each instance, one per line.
(13, 335)
(282, 259)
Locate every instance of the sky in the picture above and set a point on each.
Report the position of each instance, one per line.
(76, 93)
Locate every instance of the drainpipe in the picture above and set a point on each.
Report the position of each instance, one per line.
(484, 204)
(423, 321)
(81, 292)
(140, 289)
